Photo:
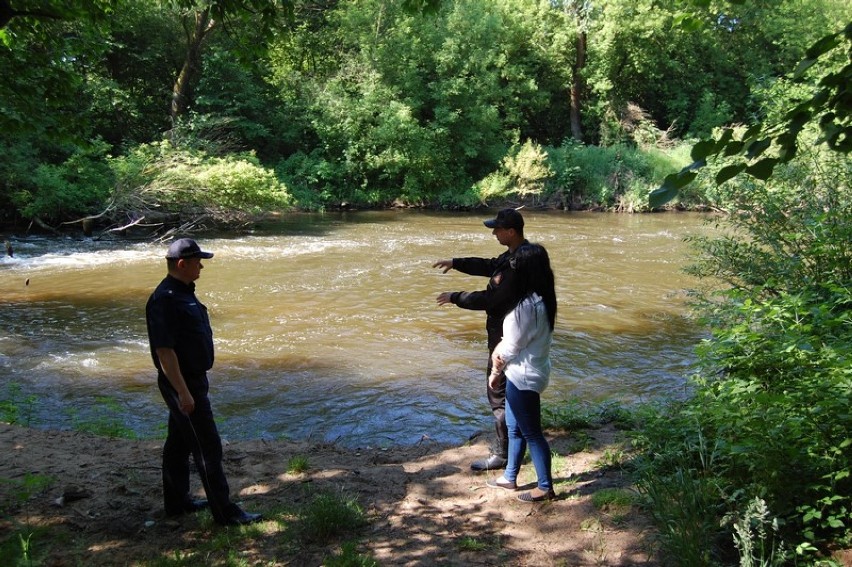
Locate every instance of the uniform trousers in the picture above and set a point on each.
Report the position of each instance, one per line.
(194, 434)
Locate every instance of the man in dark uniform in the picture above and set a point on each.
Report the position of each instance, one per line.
(181, 341)
(496, 300)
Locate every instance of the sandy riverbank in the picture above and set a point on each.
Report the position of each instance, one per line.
(421, 503)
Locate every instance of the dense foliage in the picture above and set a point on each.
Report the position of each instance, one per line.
(769, 142)
(369, 103)
(770, 423)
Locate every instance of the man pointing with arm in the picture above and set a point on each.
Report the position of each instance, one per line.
(496, 301)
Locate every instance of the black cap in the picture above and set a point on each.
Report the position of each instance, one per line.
(186, 248)
(507, 218)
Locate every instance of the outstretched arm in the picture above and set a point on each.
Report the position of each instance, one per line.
(444, 298)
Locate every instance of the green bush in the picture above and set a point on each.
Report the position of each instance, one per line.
(162, 177)
(772, 403)
(329, 516)
(524, 173)
(615, 177)
(76, 187)
(15, 407)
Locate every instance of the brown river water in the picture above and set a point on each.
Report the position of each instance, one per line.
(327, 329)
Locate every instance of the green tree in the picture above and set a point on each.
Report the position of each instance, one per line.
(426, 103)
(770, 416)
(31, 23)
(827, 66)
(76, 73)
(127, 89)
(693, 65)
(34, 11)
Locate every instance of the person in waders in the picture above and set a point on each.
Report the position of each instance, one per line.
(496, 300)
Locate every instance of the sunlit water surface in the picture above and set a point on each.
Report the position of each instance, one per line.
(327, 329)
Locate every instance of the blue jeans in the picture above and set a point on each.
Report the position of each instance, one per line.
(523, 418)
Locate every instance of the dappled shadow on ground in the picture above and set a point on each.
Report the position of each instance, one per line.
(422, 504)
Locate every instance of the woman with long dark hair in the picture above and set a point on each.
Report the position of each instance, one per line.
(524, 355)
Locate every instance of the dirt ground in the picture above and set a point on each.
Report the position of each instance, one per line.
(423, 505)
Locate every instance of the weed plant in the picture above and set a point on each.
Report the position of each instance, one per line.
(614, 177)
(572, 415)
(21, 546)
(616, 503)
(297, 464)
(754, 536)
(468, 543)
(15, 408)
(349, 557)
(329, 516)
(105, 419)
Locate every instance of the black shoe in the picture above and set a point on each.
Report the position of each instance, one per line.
(242, 519)
(493, 462)
(189, 507)
(194, 506)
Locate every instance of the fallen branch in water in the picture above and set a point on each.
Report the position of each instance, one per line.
(125, 227)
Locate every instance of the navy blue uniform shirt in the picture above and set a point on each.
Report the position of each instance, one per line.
(177, 320)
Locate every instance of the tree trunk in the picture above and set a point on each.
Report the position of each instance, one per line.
(182, 90)
(6, 13)
(578, 86)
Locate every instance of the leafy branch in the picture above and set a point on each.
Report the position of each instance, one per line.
(829, 107)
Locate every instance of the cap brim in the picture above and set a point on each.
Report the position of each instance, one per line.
(205, 255)
(492, 223)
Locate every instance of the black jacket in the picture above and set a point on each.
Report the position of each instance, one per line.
(177, 320)
(497, 299)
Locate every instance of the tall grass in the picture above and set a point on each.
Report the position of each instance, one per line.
(616, 177)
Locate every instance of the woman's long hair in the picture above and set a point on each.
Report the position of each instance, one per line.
(533, 274)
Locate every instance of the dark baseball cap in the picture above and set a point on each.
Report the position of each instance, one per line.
(186, 248)
(507, 218)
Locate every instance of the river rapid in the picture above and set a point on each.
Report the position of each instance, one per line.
(327, 329)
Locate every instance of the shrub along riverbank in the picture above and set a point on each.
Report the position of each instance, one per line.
(757, 464)
(160, 185)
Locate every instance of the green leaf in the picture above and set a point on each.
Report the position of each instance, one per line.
(670, 187)
(757, 147)
(811, 514)
(802, 67)
(786, 153)
(752, 132)
(729, 172)
(689, 24)
(798, 120)
(763, 169)
(823, 45)
(787, 146)
(733, 148)
(702, 149)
